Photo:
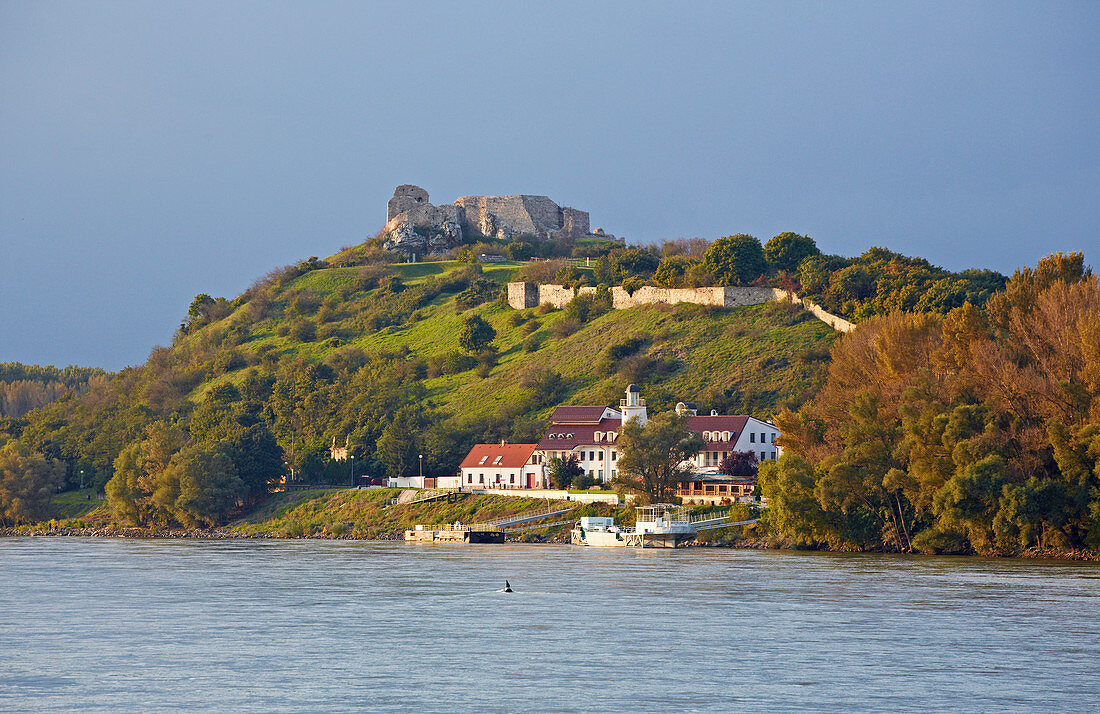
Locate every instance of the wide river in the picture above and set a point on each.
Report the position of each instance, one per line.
(167, 625)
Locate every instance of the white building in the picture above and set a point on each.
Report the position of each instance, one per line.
(591, 433)
(502, 466)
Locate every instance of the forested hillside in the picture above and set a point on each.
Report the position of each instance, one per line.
(968, 432)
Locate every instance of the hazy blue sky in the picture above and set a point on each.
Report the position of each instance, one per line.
(150, 151)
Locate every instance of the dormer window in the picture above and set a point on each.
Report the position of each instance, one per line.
(598, 436)
(725, 436)
(483, 460)
(497, 460)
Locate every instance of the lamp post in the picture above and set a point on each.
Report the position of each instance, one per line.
(421, 470)
(81, 479)
(351, 461)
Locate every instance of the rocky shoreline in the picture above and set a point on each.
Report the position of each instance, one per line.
(1081, 555)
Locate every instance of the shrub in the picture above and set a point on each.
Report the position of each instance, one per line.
(532, 343)
(566, 327)
(531, 326)
(303, 331)
(450, 363)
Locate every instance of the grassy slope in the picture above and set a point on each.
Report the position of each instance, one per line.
(760, 349)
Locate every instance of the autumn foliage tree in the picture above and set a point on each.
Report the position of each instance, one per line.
(970, 432)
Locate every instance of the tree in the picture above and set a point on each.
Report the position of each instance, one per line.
(673, 269)
(200, 306)
(739, 464)
(476, 334)
(786, 251)
(398, 447)
(736, 260)
(200, 487)
(652, 458)
(562, 472)
(137, 474)
(28, 481)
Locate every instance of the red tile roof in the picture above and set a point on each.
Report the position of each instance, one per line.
(733, 424)
(577, 415)
(574, 435)
(511, 456)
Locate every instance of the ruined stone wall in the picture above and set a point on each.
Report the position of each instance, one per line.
(574, 222)
(522, 296)
(834, 321)
(404, 198)
(506, 216)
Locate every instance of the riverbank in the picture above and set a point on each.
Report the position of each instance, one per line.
(367, 514)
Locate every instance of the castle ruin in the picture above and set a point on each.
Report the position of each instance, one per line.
(416, 226)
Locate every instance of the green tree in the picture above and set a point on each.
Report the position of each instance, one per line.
(399, 446)
(200, 487)
(786, 251)
(652, 458)
(27, 483)
(673, 270)
(476, 334)
(736, 260)
(137, 472)
(562, 472)
(200, 306)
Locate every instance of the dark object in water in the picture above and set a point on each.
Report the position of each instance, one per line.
(507, 587)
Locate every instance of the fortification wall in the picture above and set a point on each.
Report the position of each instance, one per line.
(834, 321)
(522, 296)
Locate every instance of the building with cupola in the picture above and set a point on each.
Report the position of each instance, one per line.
(591, 434)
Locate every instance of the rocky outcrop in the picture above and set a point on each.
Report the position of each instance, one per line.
(424, 229)
(415, 226)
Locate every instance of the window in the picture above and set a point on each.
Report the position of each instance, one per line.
(591, 455)
(481, 478)
(613, 472)
(773, 437)
(483, 460)
(469, 478)
(725, 436)
(496, 461)
(773, 456)
(763, 438)
(511, 479)
(601, 474)
(612, 454)
(763, 455)
(582, 456)
(752, 437)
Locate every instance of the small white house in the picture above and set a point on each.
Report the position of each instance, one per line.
(503, 466)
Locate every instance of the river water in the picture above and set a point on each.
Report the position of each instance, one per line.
(166, 625)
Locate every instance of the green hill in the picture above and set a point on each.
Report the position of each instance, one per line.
(313, 353)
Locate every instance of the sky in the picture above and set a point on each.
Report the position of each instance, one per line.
(153, 151)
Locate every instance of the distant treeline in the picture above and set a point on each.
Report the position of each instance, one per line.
(24, 387)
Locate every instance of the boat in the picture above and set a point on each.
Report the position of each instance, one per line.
(664, 525)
